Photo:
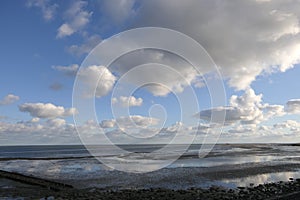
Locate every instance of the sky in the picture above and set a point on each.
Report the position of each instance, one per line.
(46, 50)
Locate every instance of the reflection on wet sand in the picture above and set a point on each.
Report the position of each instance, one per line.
(260, 179)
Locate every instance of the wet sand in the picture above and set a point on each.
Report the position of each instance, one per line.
(168, 183)
(280, 190)
(182, 178)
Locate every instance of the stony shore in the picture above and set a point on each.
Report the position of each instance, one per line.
(282, 190)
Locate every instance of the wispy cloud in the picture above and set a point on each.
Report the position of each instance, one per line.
(70, 70)
(9, 99)
(46, 7)
(87, 45)
(56, 86)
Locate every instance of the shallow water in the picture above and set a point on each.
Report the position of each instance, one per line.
(259, 179)
(62, 164)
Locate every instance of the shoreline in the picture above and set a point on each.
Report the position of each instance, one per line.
(176, 178)
(234, 172)
(289, 190)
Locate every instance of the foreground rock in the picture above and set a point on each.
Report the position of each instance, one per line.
(281, 190)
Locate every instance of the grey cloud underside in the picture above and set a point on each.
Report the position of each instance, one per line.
(245, 38)
(170, 72)
(293, 106)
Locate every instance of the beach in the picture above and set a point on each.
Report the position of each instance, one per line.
(239, 171)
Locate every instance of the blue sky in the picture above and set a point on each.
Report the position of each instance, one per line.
(44, 42)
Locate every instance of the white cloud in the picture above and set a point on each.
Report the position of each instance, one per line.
(273, 111)
(242, 129)
(245, 38)
(48, 9)
(65, 30)
(246, 109)
(47, 110)
(9, 99)
(293, 106)
(34, 120)
(249, 105)
(136, 120)
(76, 19)
(67, 70)
(99, 75)
(86, 47)
(173, 129)
(57, 131)
(269, 30)
(126, 128)
(128, 101)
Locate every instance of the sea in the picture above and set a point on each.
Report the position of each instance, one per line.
(225, 165)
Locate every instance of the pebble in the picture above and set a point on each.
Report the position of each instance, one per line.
(265, 191)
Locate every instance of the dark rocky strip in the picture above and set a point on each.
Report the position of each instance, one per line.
(45, 158)
(272, 191)
(34, 181)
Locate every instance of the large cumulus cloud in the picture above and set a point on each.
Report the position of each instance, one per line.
(246, 109)
(245, 38)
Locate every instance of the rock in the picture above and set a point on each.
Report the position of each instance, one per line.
(230, 191)
(92, 190)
